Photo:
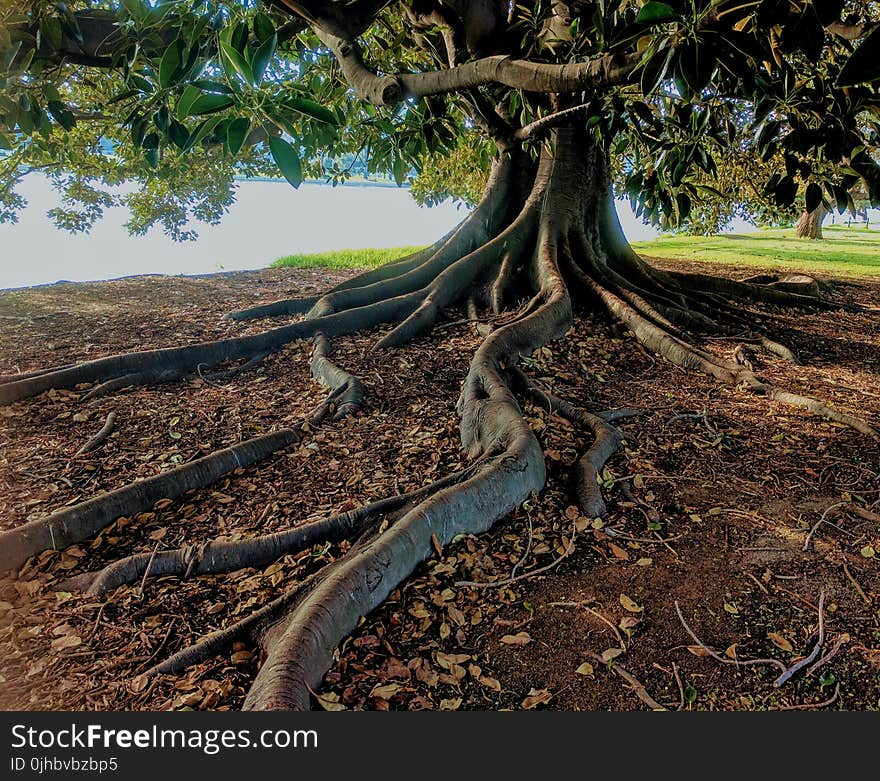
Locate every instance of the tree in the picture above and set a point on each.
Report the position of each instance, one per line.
(543, 94)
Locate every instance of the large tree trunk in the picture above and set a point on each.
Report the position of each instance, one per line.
(809, 226)
(544, 239)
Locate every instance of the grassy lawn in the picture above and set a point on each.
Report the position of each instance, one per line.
(843, 251)
(346, 258)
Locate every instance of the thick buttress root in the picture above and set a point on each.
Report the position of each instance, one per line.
(541, 235)
(80, 521)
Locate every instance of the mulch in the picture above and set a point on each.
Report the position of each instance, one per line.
(709, 510)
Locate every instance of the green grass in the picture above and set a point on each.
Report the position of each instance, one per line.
(346, 258)
(844, 251)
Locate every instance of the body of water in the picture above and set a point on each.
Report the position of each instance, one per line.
(269, 220)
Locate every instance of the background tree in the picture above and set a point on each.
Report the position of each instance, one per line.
(554, 90)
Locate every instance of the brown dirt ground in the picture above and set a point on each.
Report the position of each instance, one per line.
(719, 507)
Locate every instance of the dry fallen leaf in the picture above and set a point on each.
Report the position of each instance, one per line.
(66, 641)
(779, 641)
(330, 701)
(536, 697)
(609, 654)
(619, 552)
(697, 650)
(629, 604)
(585, 669)
(385, 691)
(520, 638)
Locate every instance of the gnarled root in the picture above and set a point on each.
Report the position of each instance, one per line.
(80, 521)
(219, 556)
(607, 440)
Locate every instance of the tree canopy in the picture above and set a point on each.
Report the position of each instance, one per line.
(182, 95)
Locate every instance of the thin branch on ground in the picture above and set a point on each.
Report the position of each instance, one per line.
(820, 522)
(597, 614)
(637, 686)
(807, 660)
(716, 656)
(531, 573)
(814, 705)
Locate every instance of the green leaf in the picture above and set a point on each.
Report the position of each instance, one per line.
(234, 63)
(135, 8)
(50, 30)
(122, 96)
(310, 108)
(5, 142)
(185, 101)
(206, 85)
(169, 65)
(263, 27)
(61, 115)
(206, 103)
(262, 57)
(813, 196)
(178, 134)
(399, 168)
(141, 83)
(656, 13)
(236, 134)
(863, 65)
(203, 130)
(286, 159)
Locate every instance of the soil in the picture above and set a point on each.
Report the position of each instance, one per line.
(710, 503)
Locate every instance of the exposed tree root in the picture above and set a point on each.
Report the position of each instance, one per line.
(589, 466)
(80, 521)
(347, 396)
(98, 439)
(226, 556)
(228, 374)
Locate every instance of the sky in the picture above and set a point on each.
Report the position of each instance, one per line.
(269, 220)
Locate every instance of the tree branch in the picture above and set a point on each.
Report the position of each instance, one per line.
(499, 69)
(546, 123)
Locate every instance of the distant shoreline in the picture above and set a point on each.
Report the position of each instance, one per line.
(348, 183)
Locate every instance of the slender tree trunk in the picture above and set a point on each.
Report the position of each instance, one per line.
(809, 226)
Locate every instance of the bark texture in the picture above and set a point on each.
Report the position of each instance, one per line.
(809, 226)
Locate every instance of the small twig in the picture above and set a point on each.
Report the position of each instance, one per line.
(511, 580)
(680, 686)
(807, 660)
(814, 705)
(204, 379)
(820, 522)
(838, 644)
(858, 588)
(597, 614)
(528, 547)
(758, 582)
(638, 687)
(97, 622)
(718, 657)
(95, 441)
(659, 541)
(149, 567)
(162, 644)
